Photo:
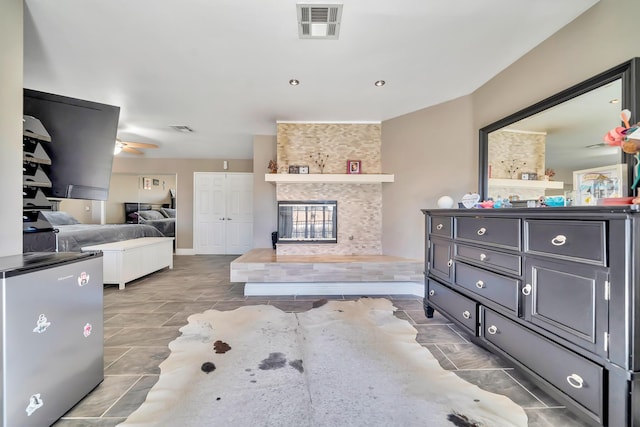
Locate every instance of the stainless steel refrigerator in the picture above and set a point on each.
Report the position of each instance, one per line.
(52, 334)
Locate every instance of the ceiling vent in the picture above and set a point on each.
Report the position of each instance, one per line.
(319, 21)
(181, 128)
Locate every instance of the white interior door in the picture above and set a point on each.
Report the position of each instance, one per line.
(239, 213)
(223, 213)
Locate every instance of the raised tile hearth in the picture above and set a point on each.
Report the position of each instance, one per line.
(265, 273)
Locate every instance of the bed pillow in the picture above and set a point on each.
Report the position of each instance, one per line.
(168, 212)
(59, 218)
(150, 215)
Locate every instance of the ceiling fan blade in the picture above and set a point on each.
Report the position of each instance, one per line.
(131, 150)
(138, 144)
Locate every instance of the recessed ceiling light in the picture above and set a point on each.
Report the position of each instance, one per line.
(614, 101)
(294, 82)
(380, 83)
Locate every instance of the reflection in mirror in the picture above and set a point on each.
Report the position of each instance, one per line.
(148, 198)
(543, 149)
(538, 156)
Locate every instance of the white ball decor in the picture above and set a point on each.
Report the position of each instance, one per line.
(445, 202)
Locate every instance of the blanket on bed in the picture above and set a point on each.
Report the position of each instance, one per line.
(73, 237)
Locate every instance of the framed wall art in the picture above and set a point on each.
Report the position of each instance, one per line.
(353, 166)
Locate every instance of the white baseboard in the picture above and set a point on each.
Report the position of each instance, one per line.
(334, 288)
(187, 251)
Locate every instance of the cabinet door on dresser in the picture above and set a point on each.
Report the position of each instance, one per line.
(568, 299)
(441, 259)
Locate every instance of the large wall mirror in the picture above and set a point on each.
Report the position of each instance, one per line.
(556, 147)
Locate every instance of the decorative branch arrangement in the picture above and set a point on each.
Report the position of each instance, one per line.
(320, 160)
(512, 167)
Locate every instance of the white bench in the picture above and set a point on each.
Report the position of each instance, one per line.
(127, 260)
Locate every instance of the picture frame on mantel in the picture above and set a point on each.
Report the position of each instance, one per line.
(354, 166)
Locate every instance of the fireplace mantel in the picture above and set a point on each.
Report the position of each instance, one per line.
(338, 178)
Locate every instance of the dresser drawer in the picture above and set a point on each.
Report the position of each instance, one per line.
(441, 226)
(490, 259)
(575, 376)
(454, 305)
(581, 241)
(504, 232)
(502, 290)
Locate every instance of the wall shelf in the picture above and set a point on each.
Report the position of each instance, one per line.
(340, 178)
(521, 183)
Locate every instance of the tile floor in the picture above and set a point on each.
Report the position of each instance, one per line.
(141, 320)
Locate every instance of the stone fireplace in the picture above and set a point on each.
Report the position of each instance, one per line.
(359, 228)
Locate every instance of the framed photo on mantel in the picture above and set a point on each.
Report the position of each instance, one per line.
(353, 166)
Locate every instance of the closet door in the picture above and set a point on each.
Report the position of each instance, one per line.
(223, 213)
(239, 218)
(209, 213)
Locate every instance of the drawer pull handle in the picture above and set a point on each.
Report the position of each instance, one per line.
(483, 257)
(466, 314)
(432, 293)
(439, 227)
(482, 231)
(479, 284)
(575, 381)
(526, 290)
(450, 263)
(559, 240)
(493, 329)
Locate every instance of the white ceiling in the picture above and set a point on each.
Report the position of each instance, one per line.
(222, 67)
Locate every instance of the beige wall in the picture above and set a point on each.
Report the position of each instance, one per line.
(431, 154)
(183, 169)
(265, 220)
(435, 151)
(11, 49)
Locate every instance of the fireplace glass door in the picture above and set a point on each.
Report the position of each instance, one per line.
(308, 221)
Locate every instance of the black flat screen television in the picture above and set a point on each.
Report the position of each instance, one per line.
(83, 135)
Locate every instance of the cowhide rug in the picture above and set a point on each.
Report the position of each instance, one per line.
(345, 363)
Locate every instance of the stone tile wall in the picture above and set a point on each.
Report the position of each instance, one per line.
(302, 144)
(359, 218)
(524, 151)
(510, 155)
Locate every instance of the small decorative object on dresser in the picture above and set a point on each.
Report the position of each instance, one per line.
(303, 169)
(353, 166)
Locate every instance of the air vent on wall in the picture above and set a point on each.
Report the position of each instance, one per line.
(319, 21)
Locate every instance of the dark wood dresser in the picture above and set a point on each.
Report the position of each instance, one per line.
(554, 290)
